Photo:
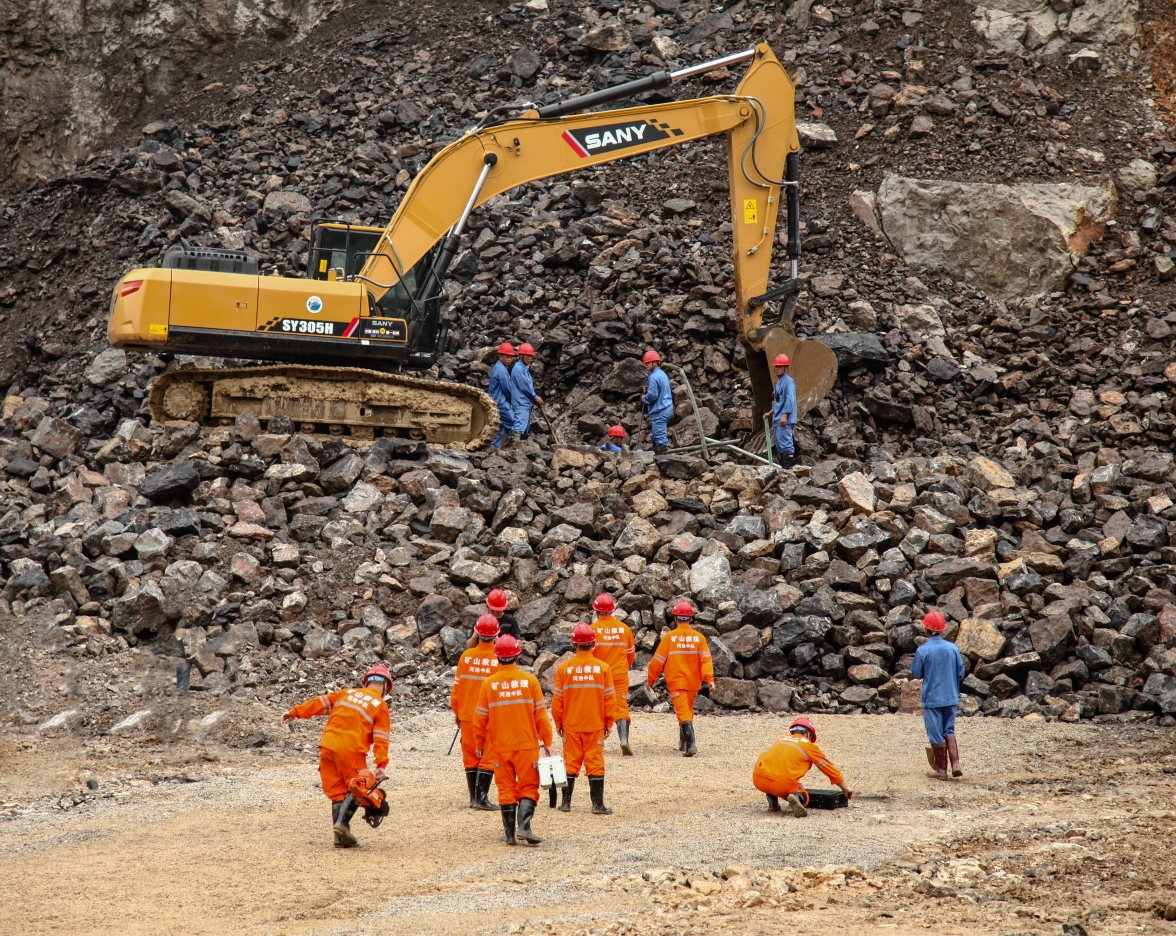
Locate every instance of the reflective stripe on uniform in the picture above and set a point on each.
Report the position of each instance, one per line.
(356, 708)
(508, 702)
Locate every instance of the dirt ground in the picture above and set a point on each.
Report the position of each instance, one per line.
(1053, 825)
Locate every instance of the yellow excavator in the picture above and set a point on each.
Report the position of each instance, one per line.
(371, 302)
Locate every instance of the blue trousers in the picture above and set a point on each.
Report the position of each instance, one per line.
(522, 421)
(783, 440)
(657, 430)
(939, 722)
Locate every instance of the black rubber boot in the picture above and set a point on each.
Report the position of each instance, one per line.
(681, 736)
(691, 744)
(566, 804)
(552, 796)
(526, 812)
(596, 789)
(773, 802)
(623, 737)
(482, 791)
(508, 822)
(472, 783)
(343, 836)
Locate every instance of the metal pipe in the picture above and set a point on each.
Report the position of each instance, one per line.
(488, 163)
(711, 65)
(693, 404)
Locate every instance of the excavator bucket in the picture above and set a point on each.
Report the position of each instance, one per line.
(814, 366)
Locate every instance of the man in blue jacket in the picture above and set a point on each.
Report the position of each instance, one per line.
(658, 400)
(783, 411)
(523, 394)
(501, 392)
(940, 665)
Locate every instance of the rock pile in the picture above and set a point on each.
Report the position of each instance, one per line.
(1001, 452)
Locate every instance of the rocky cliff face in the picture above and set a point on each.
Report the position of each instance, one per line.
(73, 72)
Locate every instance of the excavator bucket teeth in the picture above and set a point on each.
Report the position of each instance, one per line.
(355, 404)
(814, 366)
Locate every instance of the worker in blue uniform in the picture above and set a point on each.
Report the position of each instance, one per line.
(501, 391)
(616, 435)
(523, 395)
(783, 411)
(658, 400)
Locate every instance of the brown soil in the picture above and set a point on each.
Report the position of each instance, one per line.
(1066, 823)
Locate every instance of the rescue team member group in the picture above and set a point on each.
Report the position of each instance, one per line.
(502, 718)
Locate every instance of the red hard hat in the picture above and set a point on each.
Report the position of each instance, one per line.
(506, 348)
(782, 360)
(618, 431)
(496, 600)
(683, 609)
(378, 671)
(804, 723)
(604, 604)
(507, 647)
(583, 633)
(525, 348)
(650, 355)
(934, 620)
(487, 626)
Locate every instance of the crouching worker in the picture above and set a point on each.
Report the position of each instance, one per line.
(779, 770)
(357, 720)
(510, 720)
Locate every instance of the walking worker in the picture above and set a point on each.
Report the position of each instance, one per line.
(615, 647)
(783, 411)
(510, 720)
(496, 602)
(523, 396)
(357, 720)
(472, 669)
(686, 658)
(779, 770)
(501, 391)
(582, 709)
(616, 435)
(940, 665)
(659, 401)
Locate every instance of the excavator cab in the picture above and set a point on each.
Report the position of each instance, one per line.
(340, 246)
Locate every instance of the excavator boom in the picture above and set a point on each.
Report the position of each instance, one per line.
(388, 313)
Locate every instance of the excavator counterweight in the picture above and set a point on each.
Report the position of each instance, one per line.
(371, 302)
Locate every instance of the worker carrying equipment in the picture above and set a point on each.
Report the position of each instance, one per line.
(523, 396)
(373, 299)
(779, 770)
(582, 709)
(510, 724)
(357, 720)
(784, 412)
(940, 665)
(616, 648)
(686, 658)
(472, 669)
(659, 401)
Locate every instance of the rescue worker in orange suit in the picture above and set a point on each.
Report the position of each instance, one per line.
(779, 770)
(685, 656)
(511, 722)
(497, 601)
(357, 720)
(472, 669)
(582, 709)
(614, 645)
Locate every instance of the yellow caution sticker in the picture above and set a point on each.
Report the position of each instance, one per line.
(750, 211)
(323, 265)
(160, 330)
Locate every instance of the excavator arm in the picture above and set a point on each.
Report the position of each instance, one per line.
(210, 301)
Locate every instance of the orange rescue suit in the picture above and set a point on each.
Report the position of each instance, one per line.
(686, 657)
(614, 645)
(510, 720)
(780, 769)
(582, 708)
(358, 720)
(473, 668)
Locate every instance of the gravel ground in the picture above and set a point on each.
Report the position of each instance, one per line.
(246, 847)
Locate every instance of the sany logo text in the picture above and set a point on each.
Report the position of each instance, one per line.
(591, 141)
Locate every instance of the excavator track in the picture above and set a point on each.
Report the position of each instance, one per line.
(353, 403)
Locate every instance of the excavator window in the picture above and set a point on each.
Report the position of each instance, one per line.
(422, 316)
(340, 246)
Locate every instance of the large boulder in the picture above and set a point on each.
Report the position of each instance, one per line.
(734, 693)
(1008, 240)
(434, 613)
